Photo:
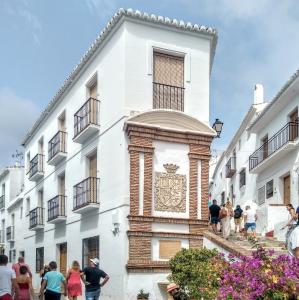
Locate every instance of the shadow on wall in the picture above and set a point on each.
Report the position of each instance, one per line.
(89, 221)
(60, 230)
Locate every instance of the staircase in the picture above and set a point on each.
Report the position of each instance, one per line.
(268, 243)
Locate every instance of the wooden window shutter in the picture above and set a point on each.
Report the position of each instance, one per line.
(169, 69)
(168, 248)
(93, 166)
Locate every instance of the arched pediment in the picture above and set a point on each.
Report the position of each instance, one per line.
(171, 120)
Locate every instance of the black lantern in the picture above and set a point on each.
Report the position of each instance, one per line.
(217, 126)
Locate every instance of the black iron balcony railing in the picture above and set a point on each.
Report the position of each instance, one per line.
(2, 236)
(10, 233)
(88, 114)
(57, 144)
(286, 134)
(168, 96)
(36, 217)
(2, 201)
(36, 165)
(56, 207)
(86, 192)
(230, 167)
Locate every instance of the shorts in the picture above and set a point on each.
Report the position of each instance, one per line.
(251, 226)
(237, 221)
(214, 220)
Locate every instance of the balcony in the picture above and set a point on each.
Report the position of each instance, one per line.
(2, 202)
(285, 140)
(10, 234)
(86, 121)
(36, 168)
(168, 96)
(2, 237)
(56, 209)
(230, 167)
(36, 219)
(57, 148)
(86, 195)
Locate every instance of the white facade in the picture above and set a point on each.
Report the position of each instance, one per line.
(121, 62)
(11, 187)
(276, 164)
(225, 183)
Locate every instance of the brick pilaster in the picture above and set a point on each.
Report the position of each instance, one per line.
(134, 182)
(148, 183)
(193, 173)
(204, 188)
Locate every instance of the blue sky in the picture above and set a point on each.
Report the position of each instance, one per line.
(42, 40)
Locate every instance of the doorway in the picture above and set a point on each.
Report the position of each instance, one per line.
(287, 190)
(294, 125)
(63, 258)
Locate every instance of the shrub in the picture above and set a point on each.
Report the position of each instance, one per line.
(197, 272)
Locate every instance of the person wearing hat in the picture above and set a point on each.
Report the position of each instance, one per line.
(93, 275)
(175, 292)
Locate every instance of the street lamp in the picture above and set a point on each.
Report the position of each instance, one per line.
(217, 126)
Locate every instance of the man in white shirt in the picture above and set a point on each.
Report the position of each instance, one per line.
(250, 218)
(8, 284)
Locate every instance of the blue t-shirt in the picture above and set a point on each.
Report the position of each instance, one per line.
(54, 280)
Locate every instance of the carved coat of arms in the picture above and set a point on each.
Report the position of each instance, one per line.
(170, 190)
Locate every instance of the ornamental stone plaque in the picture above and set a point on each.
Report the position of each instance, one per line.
(170, 190)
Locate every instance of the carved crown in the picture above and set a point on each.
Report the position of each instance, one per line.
(170, 168)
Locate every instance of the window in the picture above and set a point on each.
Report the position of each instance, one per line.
(27, 206)
(41, 146)
(261, 195)
(168, 248)
(28, 161)
(264, 142)
(222, 198)
(221, 175)
(21, 212)
(61, 122)
(242, 178)
(39, 259)
(168, 81)
(239, 143)
(269, 189)
(40, 198)
(90, 250)
(22, 253)
(12, 256)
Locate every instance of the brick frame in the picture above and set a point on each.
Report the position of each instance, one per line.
(140, 232)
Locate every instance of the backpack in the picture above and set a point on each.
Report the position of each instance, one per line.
(238, 214)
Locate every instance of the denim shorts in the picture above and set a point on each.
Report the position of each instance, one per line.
(214, 220)
(93, 295)
(251, 226)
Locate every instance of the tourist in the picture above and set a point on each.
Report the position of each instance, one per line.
(225, 215)
(176, 292)
(297, 213)
(293, 243)
(291, 224)
(8, 283)
(238, 215)
(214, 211)
(21, 262)
(92, 279)
(73, 279)
(250, 219)
(24, 283)
(51, 286)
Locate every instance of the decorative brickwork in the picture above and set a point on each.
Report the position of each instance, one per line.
(139, 248)
(134, 182)
(140, 232)
(148, 184)
(204, 189)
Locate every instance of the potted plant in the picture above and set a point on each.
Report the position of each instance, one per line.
(142, 296)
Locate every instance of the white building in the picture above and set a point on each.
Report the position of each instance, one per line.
(275, 159)
(231, 179)
(118, 162)
(11, 186)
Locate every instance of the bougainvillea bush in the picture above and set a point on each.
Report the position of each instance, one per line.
(205, 274)
(260, 276)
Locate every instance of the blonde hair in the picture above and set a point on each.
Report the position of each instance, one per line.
(75, 265)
